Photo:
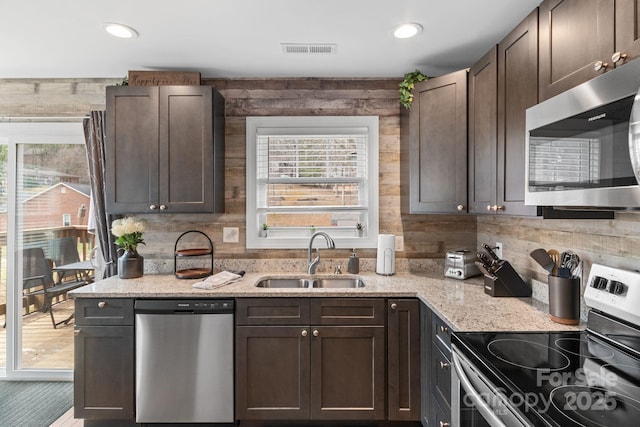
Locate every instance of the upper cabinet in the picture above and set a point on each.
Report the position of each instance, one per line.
(434, 151)
(517, 91)
(581, 39)
(164, 149)
(482, 133)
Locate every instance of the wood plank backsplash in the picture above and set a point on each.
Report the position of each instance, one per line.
(614, 242)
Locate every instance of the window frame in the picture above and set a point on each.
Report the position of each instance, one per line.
(299, 237)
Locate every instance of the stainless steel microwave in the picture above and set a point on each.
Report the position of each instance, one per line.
(579, 151)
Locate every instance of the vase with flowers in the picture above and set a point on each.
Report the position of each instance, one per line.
(128, 232)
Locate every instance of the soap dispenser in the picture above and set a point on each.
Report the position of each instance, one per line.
(354, 263)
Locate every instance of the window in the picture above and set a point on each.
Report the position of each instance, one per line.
(66, 220)
(307, 174)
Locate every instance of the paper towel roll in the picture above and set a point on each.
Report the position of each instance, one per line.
(386, 261)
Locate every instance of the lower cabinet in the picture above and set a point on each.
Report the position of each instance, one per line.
(104, 359)
(330, 368)
(435, 370)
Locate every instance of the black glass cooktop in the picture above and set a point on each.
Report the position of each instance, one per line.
(559, 378)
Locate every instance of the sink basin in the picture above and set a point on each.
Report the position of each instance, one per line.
(347, 282)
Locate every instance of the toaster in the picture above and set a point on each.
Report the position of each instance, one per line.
(460, 264)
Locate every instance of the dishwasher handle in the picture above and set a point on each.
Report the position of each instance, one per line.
(189, 306)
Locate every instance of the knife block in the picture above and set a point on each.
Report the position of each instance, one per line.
(506, 282)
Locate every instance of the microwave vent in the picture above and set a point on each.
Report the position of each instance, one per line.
(309, 48)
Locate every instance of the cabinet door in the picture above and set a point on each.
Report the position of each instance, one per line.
(574, 35)
(482, 133)
(517, 91)
(628, 28)
(403, 360)
(186, 149)
(347, 372)
(131, 149)
(425, 365)
(272, 372)
(437, 152)
(104, 372)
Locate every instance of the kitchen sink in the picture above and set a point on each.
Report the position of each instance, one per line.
(347, 282)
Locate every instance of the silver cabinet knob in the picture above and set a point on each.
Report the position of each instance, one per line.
(163, 207)
(488, 208)
(316, 332)
(76, 332)
(499, 208)
(153, 207)
(304, 333)
(460, 208)
(617, 56)
(444, 329)
(102, 304)
(599, 65)
(444, 424)
(443, 365)
(394, 306)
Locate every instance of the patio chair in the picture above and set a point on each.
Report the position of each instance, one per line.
(37, 279)
(63, 251)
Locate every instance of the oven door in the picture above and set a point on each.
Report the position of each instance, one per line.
(475, 401)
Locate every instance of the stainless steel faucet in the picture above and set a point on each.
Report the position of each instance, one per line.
(312, 264)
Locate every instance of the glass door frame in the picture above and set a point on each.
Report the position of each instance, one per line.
(14, 132)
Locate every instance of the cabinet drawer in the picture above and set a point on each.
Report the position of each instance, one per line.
(441, 334)
(347, 311)
(441, 375)
(272, 311)
(441, 414)
(103, 311)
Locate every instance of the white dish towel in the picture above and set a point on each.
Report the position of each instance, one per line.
(217, 280)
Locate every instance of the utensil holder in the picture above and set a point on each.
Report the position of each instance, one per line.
(564, 300)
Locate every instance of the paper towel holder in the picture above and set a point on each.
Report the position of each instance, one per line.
(385, 263)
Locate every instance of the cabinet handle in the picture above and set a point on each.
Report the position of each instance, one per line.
(76, 332)
(153, 207)
(394, 306)
(499, 208)
(444, 329)
(444, 424)
(460, 208)
(443, 365)
(618, 56)
(163, 207)
(316, 332)
(599, 65)
(304, 333)
(488, 208)
(102, 304)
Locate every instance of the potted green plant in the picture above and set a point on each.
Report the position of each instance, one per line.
(265, 230)
(312, 229)
(360, 229)
(407, 85)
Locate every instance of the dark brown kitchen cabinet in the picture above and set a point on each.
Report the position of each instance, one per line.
(435, 371)
(517, 91)
(104, 359)
(575, 37)
(293, 366)
(434, 147)
(403, 359)
(164, 149)
(627, 16)
(483, 91)
(502, 85)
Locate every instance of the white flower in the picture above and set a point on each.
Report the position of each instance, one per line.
(128, 225)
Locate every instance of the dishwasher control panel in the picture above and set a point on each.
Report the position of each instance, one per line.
(200, 306)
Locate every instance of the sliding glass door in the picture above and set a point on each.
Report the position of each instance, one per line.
(47, 213)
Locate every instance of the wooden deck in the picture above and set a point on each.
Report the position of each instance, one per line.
(43, 346)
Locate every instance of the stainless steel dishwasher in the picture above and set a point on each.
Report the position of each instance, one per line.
(184, 361)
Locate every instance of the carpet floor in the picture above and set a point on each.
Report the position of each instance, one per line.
(33, 403)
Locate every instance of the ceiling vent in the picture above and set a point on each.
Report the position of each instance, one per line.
(308, 48)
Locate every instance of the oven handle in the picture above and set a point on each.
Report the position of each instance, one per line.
(481, 405)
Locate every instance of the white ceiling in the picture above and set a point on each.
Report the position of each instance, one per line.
(241, 38)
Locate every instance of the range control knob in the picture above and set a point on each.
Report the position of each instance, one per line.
(616, 288)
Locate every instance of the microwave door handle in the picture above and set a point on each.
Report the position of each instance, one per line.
(480, 404)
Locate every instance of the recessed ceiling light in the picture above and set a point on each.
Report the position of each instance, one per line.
(119, 30)
(408, 30)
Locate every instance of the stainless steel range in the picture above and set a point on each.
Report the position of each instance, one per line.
(589, 378)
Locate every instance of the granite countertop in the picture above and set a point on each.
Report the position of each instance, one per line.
(462, 304)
